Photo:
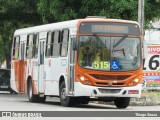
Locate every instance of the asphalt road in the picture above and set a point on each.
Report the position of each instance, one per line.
(14, 102)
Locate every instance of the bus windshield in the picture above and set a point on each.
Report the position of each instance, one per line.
(109, 53)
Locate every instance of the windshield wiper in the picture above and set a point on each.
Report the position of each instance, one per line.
(115, 45)
(99, 39)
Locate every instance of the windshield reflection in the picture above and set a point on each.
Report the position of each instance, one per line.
(109, 53)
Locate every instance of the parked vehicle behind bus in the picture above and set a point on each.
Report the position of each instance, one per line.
(5, 80)
(79, 61)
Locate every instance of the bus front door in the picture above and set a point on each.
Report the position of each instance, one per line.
(71, 68)
(41, 67)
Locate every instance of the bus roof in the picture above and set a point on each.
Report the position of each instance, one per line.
(46, 27)
(63, 25)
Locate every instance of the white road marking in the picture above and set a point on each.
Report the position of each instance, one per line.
(61, 109)
(12, 99)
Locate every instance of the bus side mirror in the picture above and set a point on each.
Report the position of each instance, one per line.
(74, 43)
(144, 50)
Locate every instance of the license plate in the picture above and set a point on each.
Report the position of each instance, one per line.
(4, 86)
(109, 90)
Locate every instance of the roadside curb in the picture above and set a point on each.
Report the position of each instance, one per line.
(148, 98)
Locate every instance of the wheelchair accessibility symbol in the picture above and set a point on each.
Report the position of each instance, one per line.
(115, 65)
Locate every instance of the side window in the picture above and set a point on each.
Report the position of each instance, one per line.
(64, 43)
(16, 44)
(35, 46)
(29, 46)
(55, 44)
(48, 44)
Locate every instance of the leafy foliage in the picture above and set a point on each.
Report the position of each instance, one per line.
(16, 14)
(59, 10)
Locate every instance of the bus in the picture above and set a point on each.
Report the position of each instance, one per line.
(81, 60)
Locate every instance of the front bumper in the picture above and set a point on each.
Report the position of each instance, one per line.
(94, 91)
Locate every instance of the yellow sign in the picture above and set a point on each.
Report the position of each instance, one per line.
(102, 65)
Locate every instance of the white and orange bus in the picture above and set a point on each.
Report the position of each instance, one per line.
(79, 61)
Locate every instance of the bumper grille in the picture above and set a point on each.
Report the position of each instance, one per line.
(110, 77)
(109, 84)
(110, 80)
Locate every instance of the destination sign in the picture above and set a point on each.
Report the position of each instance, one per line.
(109, 28)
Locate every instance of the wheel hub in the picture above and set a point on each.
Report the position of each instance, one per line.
(30, 91)
(63, 94)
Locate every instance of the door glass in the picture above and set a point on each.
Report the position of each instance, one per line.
(42, 53)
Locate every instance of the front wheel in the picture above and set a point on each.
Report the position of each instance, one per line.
(65, 100)
(122, 102)
(82, 100)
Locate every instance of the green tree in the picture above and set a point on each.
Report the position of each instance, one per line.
(59, 10)
(15, 14)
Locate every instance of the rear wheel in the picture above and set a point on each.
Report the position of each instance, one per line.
(31, 96)
(122, 102)
(42, 99)
(34, 98)
(65, 100)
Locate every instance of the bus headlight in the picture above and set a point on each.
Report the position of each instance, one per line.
(84, 80)
(136, 80)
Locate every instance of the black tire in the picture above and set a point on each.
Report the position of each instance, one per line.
(42, 99)
(122, 102)
(65, 100)
(82, 100)
(32, 98)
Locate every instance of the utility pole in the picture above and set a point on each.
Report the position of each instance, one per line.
(141, 16)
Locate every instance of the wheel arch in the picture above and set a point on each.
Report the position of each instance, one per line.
(61, 79)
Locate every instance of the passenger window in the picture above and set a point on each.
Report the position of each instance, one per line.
(48, 44)
(16, 44)
(29, 47)
(35, 46)
(55, 45)
(64, 43)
